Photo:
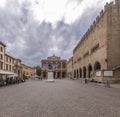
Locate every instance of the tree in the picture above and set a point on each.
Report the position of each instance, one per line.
(38, 70)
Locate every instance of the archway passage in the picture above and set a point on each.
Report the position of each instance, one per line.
(58, 75)
(97, 66)
(44, 74)
(89, 70)
(84, 72)
(80, 72)
(63, 74)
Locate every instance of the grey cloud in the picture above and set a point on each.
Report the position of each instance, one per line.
(31, 41)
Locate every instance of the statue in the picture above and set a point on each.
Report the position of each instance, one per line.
(50, 67)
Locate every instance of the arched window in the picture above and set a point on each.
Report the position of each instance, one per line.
(84, 72)
(97, 66)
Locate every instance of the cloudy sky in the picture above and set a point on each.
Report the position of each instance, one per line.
(36, 29)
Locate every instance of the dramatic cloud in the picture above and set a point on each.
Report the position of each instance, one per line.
(36, 29)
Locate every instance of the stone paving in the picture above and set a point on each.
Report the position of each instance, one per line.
(63, 98)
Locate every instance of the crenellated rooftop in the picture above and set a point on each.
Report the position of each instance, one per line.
(95, 22)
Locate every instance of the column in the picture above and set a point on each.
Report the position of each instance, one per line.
(60, 69)
(56, 70)
(46, 69)
(42, 73)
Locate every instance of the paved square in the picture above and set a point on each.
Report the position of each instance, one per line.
(63, 98)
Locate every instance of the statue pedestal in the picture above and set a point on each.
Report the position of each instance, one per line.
(50, 76)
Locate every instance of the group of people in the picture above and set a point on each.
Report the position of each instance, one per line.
(91, 76)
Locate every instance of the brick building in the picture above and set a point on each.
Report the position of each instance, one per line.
(98, 52)
(55, 63)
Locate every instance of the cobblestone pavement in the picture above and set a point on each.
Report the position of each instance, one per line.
(63, 98)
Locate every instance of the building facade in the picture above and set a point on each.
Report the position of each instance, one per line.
(9, 63)
(12, 67)
(27, 71)
(55, 63)
(2, 56)
(70, 68)
(17, 67)
(98, 51)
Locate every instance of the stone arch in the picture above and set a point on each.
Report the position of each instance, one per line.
(84, 72)
(97, 66)
(80, 72)
(89, 70)
(44, 74)
(58, 75)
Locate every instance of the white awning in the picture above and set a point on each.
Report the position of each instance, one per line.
(2, 72)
